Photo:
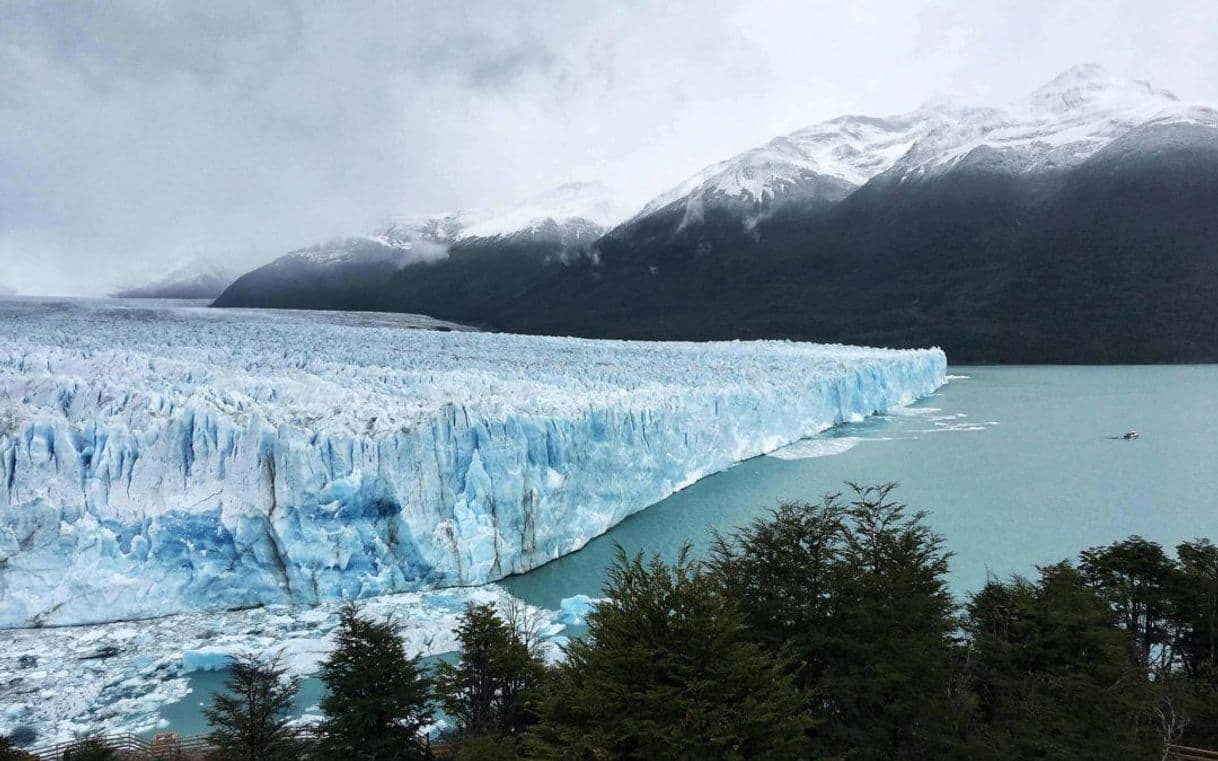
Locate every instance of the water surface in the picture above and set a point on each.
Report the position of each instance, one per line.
(1014, 464)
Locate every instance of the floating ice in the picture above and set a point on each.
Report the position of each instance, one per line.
(207, 659)
(574, 610)
(810, 448)
(901, 410)
(110, 678)
(160, 460)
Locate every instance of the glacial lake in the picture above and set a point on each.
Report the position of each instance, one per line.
(1016, 466)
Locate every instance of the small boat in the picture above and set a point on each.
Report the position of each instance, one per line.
(1130, 435)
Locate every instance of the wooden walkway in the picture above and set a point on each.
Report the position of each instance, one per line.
(169, 747)
(162, 747)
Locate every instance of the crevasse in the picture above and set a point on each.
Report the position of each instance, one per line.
(161, 460)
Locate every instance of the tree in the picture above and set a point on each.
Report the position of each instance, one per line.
(1195, 613)
(378, 701)
(1196, 606)
(1051, 670)
(488, 748)
(250, 721)
(1135, 577)
(665, 672)
(853, 596)
(489, 691)
(786, 572)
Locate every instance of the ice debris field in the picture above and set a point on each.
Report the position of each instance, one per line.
(229, 469)
(65, 682)
(164, 460)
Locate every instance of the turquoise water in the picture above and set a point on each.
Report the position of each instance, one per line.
(1014, 465)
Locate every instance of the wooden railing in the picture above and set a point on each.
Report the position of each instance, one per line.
(170, 747)
(1185, 753)
(162, 747)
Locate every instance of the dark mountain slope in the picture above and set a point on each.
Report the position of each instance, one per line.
(481, 278)
(339, 275)
(1115, 260)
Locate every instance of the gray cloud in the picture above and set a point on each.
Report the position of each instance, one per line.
(137, 134)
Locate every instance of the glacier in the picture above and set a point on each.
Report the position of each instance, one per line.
(159, 460)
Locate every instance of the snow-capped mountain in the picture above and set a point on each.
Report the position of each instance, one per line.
(1061, 125)
(502, 247)
(824, 162)
(586, 209)
(1074, 224)
(1058, 126)
(586, 206)
(197, 279)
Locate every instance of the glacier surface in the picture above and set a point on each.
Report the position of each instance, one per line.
(162, 460)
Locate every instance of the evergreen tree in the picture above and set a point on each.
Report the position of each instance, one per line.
(854, 596)
(1051, 669)
(250, 721)
(377, 700)
(1136, 578)
(488, 748)
(489, 691)
(665, 672)
(1195, 610)
(1196, 606)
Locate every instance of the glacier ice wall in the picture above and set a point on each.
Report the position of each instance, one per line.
(159, 460)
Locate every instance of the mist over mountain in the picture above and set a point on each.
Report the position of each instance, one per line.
(1075, 225)
(198, 279)
(469, 262)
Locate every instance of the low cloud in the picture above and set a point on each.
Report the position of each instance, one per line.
(426, 251)
(135, 134)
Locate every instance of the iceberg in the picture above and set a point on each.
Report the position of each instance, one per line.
(158, 460)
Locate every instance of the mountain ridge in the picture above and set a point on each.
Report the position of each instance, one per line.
(1071, 226)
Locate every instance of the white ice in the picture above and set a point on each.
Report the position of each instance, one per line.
(159, 460)
(110, 678)
(811, 448)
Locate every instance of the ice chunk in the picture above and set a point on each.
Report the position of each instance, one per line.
(207, 659)
(160, 460)
(574, 610)
(810, 448)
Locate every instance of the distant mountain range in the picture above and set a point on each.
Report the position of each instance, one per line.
(198, 279)
(471, 263)
(1078, 225)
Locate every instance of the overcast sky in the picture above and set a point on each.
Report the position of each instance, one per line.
(135, 135)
